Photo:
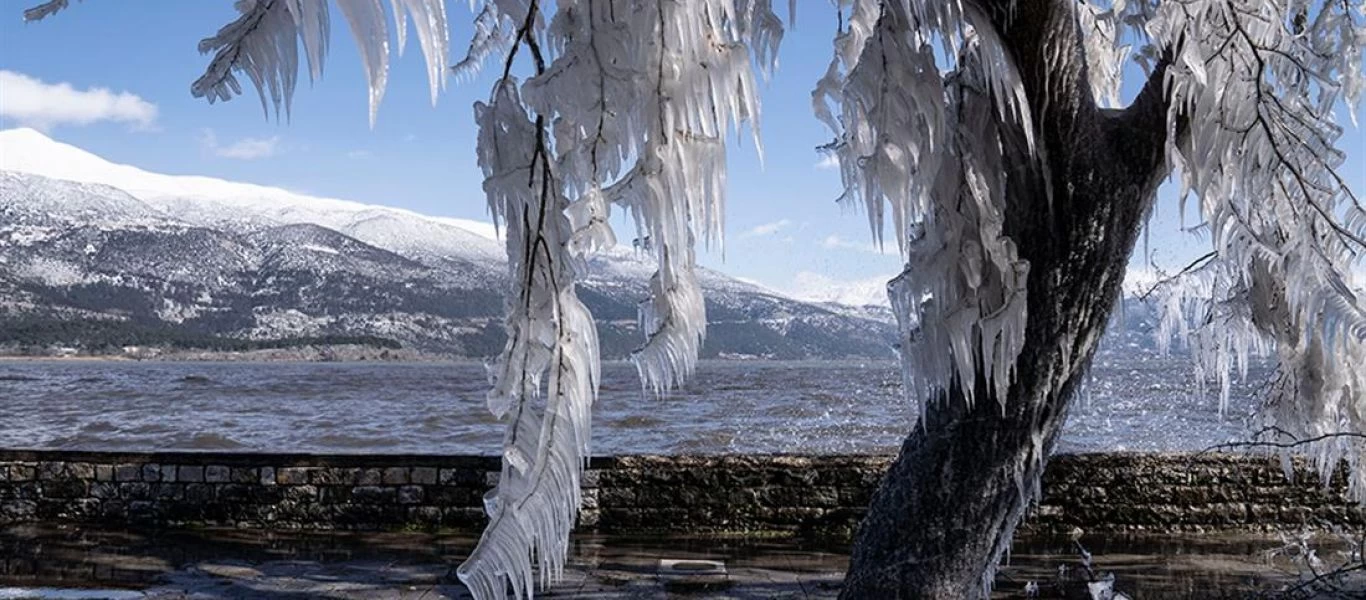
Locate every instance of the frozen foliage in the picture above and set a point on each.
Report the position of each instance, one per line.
(926, 148)
(263, 44)
(550, 336)
(628, 105)
(1253, 85)
(1258, 83)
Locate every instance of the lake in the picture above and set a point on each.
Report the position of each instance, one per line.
(825, 407)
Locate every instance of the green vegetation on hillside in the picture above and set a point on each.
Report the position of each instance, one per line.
(35, 333)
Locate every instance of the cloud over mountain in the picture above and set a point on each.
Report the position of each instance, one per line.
(35, 103)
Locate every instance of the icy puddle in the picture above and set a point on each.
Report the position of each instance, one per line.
(86, 564)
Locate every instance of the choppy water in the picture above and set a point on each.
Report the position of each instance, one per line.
(729, 407)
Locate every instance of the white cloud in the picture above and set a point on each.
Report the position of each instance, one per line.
(815, 287)
(243, 149)
(358, 154)
(35, 103)
(835, 242)
(766, 229)
(828, 161)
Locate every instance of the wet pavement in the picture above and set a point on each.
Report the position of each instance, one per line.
(84, 564)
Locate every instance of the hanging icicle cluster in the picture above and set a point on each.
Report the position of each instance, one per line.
(926, 147)
(629, 105)
(1256, 83)
(1259, 83)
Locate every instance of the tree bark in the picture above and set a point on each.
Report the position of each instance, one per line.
(948, 506)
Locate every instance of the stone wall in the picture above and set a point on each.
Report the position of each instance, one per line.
(635, 494)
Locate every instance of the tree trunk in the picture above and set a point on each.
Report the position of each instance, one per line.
(947, 508)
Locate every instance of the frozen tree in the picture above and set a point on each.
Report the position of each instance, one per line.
(987, 137)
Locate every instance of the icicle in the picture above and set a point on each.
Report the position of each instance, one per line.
(631, 118)
(366, 18)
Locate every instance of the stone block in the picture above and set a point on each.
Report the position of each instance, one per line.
(245, 475)
(81, 470)
(168, 473)
(51, 471)
(449, 495)
(198, 493)
(588, 519)
(292, 475)
(216, 474)
(174, 492)
(127, 472)
(423, 475)
(135, 490)
(267, 476)
(396, 475)
(143, 511)
(266, 496)
(424, 516)
(18, 511)
(189, 474)
(64, 488)
(820, 496)
(151, 472)
(410, 494)
(104, 490)
(334, 494)
(301, 493)
(855, 496)
(22, 472)
(617, 497)
(462, 477)
(369, 477)
(233, 493)
(590, 478)
(371, 494)
(331, 476)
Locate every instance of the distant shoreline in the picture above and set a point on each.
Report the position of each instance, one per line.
(260, 356)
(311, 354)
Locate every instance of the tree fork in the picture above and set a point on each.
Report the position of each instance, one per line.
(948, 506)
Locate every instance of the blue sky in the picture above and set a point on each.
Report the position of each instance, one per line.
(783, 226)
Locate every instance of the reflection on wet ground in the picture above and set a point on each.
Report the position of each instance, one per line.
(77, 562)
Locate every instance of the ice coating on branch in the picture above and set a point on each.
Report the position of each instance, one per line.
(263, 44)
(922, 150)
(546, 379)
(629, 105)
(1257, 83)
(643, 96)
(1106, 52)
(925, 146)
(37, 13)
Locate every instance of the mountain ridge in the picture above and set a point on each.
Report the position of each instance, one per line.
(213, 257)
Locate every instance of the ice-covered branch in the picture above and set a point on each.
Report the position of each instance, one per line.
(927, 149)
(37, 13)
(1258, 84)
(263, 44)
(628, 103)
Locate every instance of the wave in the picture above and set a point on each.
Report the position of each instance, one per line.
(204, 440)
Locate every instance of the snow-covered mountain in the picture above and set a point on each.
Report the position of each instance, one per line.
(85, 240)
